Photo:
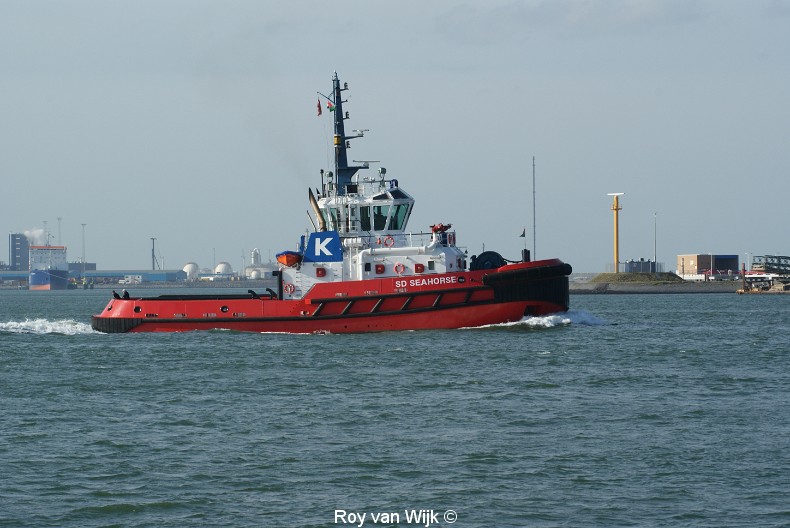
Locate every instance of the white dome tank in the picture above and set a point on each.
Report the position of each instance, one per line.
(223, 268)
(191, 269)
(255, 274)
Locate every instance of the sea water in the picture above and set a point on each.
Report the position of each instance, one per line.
(629, 410)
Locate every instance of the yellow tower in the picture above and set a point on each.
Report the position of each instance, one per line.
(616, 208)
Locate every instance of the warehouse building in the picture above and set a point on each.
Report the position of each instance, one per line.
(707, 266)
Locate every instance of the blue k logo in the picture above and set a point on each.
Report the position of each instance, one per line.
(323, 247)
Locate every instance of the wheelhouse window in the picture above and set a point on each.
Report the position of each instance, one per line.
(399, 216)
(364, 218)
(334, 221)
(380, 214)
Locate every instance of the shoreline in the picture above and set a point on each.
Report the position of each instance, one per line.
(609, 288)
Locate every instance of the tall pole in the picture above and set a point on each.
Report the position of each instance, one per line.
(616, 208)
(534, 235)
(655, 232)
(83, 250)
(153, 254)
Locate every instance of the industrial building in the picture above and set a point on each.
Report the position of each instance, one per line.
(18, 252)
(76, 268)
(641, 266)
(707, 266)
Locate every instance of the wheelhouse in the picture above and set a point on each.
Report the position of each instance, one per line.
(371, 206)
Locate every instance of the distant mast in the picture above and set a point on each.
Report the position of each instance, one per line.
(534, 234)
(616, 209)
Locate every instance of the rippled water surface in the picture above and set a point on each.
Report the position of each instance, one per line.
(630, 410)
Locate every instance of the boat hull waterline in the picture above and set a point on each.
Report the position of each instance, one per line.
(465, 299)
(44, 280)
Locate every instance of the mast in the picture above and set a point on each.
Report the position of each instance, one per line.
(534, 233)
(616, 208)
(343, 171)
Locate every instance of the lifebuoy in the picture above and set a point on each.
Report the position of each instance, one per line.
(399, 268)
(389, 241)
(289, 288)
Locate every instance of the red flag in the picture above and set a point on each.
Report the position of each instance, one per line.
(319, 106)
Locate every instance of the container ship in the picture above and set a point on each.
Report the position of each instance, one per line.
(49, 269)
(360, 270)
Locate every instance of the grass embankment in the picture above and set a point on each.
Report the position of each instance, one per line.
(640, 278)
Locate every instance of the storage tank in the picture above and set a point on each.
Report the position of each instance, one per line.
(223, 268)
(192, 270)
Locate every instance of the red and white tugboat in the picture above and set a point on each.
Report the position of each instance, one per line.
(361, 271)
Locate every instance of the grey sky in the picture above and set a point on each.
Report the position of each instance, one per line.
(194, 122)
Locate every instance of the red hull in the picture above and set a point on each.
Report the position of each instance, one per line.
(456, 300)
(435, 319)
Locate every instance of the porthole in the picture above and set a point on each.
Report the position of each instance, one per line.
(137, 309)
(224, 309)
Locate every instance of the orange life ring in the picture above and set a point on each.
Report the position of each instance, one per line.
(289, 288)
(399, 268)
(389, 241)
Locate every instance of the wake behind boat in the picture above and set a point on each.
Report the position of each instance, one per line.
(361, 271)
